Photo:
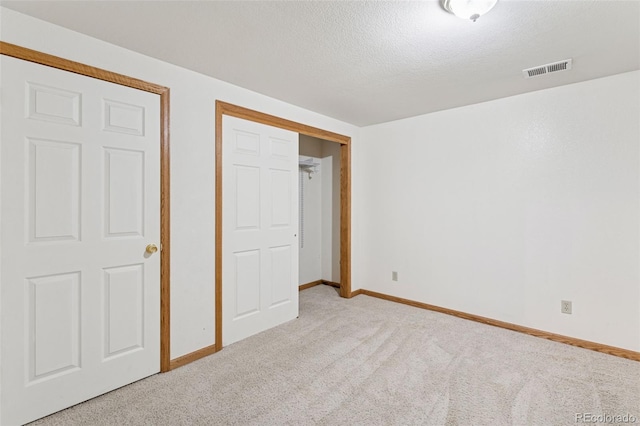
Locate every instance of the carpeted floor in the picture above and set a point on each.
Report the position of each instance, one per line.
(367, 361)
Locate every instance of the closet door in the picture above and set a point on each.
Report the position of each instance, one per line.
(260, 226)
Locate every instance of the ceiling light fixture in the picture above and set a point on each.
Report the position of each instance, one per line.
(468, 9)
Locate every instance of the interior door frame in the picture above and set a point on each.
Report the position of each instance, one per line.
(224, 108)
(45, 59)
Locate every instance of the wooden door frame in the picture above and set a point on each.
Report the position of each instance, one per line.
(224, 108)
(45, 59)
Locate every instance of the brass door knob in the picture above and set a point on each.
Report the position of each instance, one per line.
(152, 248)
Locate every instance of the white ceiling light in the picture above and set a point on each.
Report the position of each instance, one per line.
(469, 9)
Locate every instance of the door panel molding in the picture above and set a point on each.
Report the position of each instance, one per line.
(45, 59)
(224, 108)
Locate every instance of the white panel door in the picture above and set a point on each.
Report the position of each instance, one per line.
(80, 201)
(260, 225)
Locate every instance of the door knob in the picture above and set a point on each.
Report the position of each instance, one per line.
(152, 248)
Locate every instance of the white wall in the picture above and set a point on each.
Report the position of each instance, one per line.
(310, 235)
(310, 146)
(192, 158)
(504, 208)
(327, 220)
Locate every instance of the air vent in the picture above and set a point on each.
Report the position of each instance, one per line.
(547, 69)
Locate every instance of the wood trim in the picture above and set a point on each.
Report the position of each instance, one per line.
(165, 234)
(354, 293)
(271, 120)
(585, 344)
(45, 59)
(193, 356)
(318, 282)
(19, 52)
(224, 108)
(345, 220)
(309, 285)
(332, 284)
(218, 226)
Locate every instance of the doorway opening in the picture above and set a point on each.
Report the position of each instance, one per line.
(222, 109)
(319, 212)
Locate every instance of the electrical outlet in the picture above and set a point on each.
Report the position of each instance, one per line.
(394, 276)
(565, 306)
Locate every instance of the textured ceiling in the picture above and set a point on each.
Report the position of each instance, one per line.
(366, 62)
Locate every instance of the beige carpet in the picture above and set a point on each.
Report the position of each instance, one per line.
(367, 361)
